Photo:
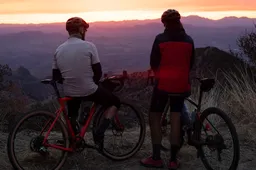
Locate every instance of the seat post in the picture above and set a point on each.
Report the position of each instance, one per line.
(200, 100)
(56, 89)
(167, 106)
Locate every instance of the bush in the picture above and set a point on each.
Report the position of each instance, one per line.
(12, 100)
(247, 45)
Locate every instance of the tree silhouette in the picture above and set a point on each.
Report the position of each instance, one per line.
(5, 71)
(12, 100)
(247, 45)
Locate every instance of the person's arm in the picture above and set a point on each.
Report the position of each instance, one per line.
(56, 74)
(96, 66)
(155, 56)
(192, 61)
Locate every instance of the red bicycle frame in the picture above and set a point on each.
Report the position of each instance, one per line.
(62, 109)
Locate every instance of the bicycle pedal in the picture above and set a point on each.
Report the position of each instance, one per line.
(90, 146)
(98, 148)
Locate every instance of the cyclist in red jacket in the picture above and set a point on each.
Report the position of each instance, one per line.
(171, 59)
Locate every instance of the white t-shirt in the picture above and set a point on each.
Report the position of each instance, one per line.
(74, 59)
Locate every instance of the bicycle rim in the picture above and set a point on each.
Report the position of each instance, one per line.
(43, 154)
(141, 135)
(232, 130)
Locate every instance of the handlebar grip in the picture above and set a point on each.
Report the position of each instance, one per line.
(53, 84)
(114, 84)
(120, 87)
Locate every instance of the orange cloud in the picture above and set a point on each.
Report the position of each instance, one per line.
(75, 6)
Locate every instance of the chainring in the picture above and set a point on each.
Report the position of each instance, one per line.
(79, 144)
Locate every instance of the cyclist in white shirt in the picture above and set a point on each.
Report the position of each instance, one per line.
(77, 63)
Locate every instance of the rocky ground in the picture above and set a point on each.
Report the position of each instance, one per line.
(90, 159)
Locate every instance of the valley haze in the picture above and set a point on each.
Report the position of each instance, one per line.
(126, 43)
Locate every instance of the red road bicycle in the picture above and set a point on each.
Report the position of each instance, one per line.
(41, 145)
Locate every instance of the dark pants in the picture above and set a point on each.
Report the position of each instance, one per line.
(101, 96)
(160, 99)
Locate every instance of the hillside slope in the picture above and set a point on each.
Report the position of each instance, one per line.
(30, 85)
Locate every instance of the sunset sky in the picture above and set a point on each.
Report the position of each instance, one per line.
(46, 11)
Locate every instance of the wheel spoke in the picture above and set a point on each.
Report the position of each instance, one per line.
(34, 153)
(217, 143)
(127, 133)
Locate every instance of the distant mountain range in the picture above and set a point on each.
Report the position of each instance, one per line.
(189, 20)
(126, 44)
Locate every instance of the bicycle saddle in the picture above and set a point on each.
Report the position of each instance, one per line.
(207, 84)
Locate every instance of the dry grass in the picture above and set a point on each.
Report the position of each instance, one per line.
(242, 95)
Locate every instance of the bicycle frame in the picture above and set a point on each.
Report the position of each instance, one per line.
(84, 128)
(197, 121)
(197, 105)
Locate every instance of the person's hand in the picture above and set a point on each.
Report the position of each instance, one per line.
(60, 81)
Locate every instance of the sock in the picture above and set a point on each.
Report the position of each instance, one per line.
(103, 127)
(174, 152)
(156, 151)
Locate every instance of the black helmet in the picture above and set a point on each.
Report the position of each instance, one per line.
(171, 15)
(73, 24)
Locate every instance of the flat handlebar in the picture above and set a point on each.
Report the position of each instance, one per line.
(113, 83)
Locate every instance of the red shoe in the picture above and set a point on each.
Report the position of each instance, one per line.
(151, 163)
(174, 165)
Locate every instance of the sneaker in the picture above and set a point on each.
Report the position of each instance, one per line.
(98, 140)
(173, 165)
(151, 163)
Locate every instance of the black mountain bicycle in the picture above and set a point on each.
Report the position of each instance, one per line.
(194, 130)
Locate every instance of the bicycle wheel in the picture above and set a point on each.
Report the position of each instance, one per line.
(218, 140)
(127, 118)
(40, 156)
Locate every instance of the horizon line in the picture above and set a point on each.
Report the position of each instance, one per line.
(150, 19)
(112, 16)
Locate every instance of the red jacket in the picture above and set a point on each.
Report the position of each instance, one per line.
(172, 57)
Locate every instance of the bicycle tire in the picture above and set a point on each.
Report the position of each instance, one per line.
(232, 129)
(10, 141)
(96, 122)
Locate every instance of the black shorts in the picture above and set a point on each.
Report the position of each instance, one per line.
(160, 99)
(101, 96)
